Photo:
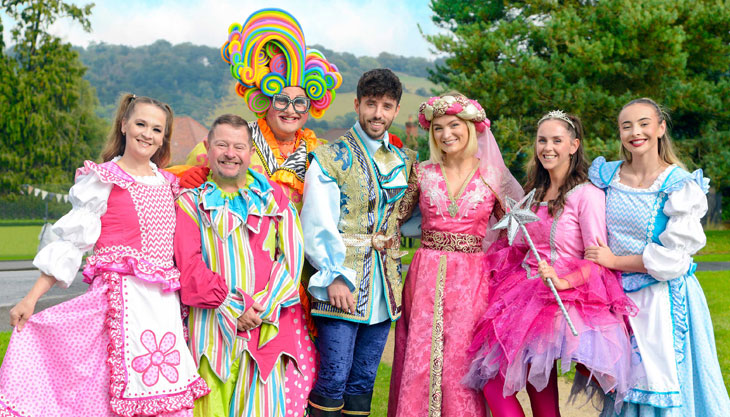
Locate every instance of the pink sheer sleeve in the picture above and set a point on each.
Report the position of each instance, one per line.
(592, 215)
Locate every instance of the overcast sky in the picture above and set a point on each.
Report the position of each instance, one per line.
(365, 27)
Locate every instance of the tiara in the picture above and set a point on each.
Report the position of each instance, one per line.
(557, 114)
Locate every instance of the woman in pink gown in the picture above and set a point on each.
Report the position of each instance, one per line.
(522, 334)
(443, 296)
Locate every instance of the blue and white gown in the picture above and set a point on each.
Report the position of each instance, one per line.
(674, 357)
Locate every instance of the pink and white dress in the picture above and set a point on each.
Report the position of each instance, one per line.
(119, 349)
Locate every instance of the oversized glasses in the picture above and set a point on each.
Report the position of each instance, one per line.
(280, 102)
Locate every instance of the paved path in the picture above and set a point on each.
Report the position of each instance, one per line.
(15, 284)
(713, 266)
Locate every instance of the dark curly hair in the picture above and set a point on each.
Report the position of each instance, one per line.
(379, 82)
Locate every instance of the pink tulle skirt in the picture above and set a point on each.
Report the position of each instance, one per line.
(523, 331)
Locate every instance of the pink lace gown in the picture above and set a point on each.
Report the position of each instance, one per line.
(443, 297)
(119, 349)
(523, 332)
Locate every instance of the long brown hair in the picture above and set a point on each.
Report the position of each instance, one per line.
(664, 143)
(539, 178)
(116, 141)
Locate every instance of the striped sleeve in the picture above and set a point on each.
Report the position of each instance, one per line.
(283, 288)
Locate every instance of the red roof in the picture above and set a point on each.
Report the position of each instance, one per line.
(186, 133)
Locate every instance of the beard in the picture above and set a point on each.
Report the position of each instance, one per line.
(364, 123)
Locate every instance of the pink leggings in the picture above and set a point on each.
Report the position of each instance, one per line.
(543, 403)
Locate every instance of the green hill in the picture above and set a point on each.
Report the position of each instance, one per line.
(343, 104)
(196, 82)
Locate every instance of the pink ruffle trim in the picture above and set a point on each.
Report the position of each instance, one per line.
(169, 404)
(128, 264)
(151, 406)
(110, 173)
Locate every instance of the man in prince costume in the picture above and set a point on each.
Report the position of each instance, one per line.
(352, 194)
(238, 246)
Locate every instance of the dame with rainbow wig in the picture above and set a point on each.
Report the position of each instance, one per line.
(283, 83)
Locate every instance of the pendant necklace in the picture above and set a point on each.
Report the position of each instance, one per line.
(453, 208)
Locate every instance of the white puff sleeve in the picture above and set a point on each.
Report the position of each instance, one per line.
(683, 236)
(78, 230)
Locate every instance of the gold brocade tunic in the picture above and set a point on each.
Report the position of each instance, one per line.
(371, 187)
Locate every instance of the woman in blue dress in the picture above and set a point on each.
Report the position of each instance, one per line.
(653, 212)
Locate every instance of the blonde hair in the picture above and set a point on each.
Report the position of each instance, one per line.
(437, 154)
(116, 141)
(664, 143)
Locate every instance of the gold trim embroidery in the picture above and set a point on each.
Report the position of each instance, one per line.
(435, 395)
(451, 242)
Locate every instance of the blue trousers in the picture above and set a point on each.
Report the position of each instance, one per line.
(349, 356)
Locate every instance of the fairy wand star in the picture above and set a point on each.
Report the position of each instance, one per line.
(517, 215)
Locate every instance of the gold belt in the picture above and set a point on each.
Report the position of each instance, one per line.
(378, 240)
(451, 242)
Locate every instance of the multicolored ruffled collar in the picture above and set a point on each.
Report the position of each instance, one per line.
(229, 210)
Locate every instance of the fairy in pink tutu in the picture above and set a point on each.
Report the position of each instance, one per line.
(119, 349)
(522, 334)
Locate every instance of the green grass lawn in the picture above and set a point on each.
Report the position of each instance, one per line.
(716, 286)
(18, 242)
(717, 248)
(4, 340)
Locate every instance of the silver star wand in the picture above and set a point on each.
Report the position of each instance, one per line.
(517, 215)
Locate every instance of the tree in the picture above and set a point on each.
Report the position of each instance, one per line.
(48, 126)
(521, 59)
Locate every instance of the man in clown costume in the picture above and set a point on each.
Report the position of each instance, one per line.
(239, 248)
(253, 345)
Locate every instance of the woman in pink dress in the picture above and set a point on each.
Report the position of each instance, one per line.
(119, 349)
(443, 296)
(522, 334)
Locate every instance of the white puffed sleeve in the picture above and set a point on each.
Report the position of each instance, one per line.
(324, 246)
(683, 236)
(78, 230)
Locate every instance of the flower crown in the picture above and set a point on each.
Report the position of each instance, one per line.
(557, 114)
(458, 106)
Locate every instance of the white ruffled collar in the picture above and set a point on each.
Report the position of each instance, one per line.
(654, 187)
(154, 179)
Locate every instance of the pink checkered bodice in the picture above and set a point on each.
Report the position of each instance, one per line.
(146, 231)
(137, 228)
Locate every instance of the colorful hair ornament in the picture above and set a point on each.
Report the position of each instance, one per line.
(457, 105)
(268, 53)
